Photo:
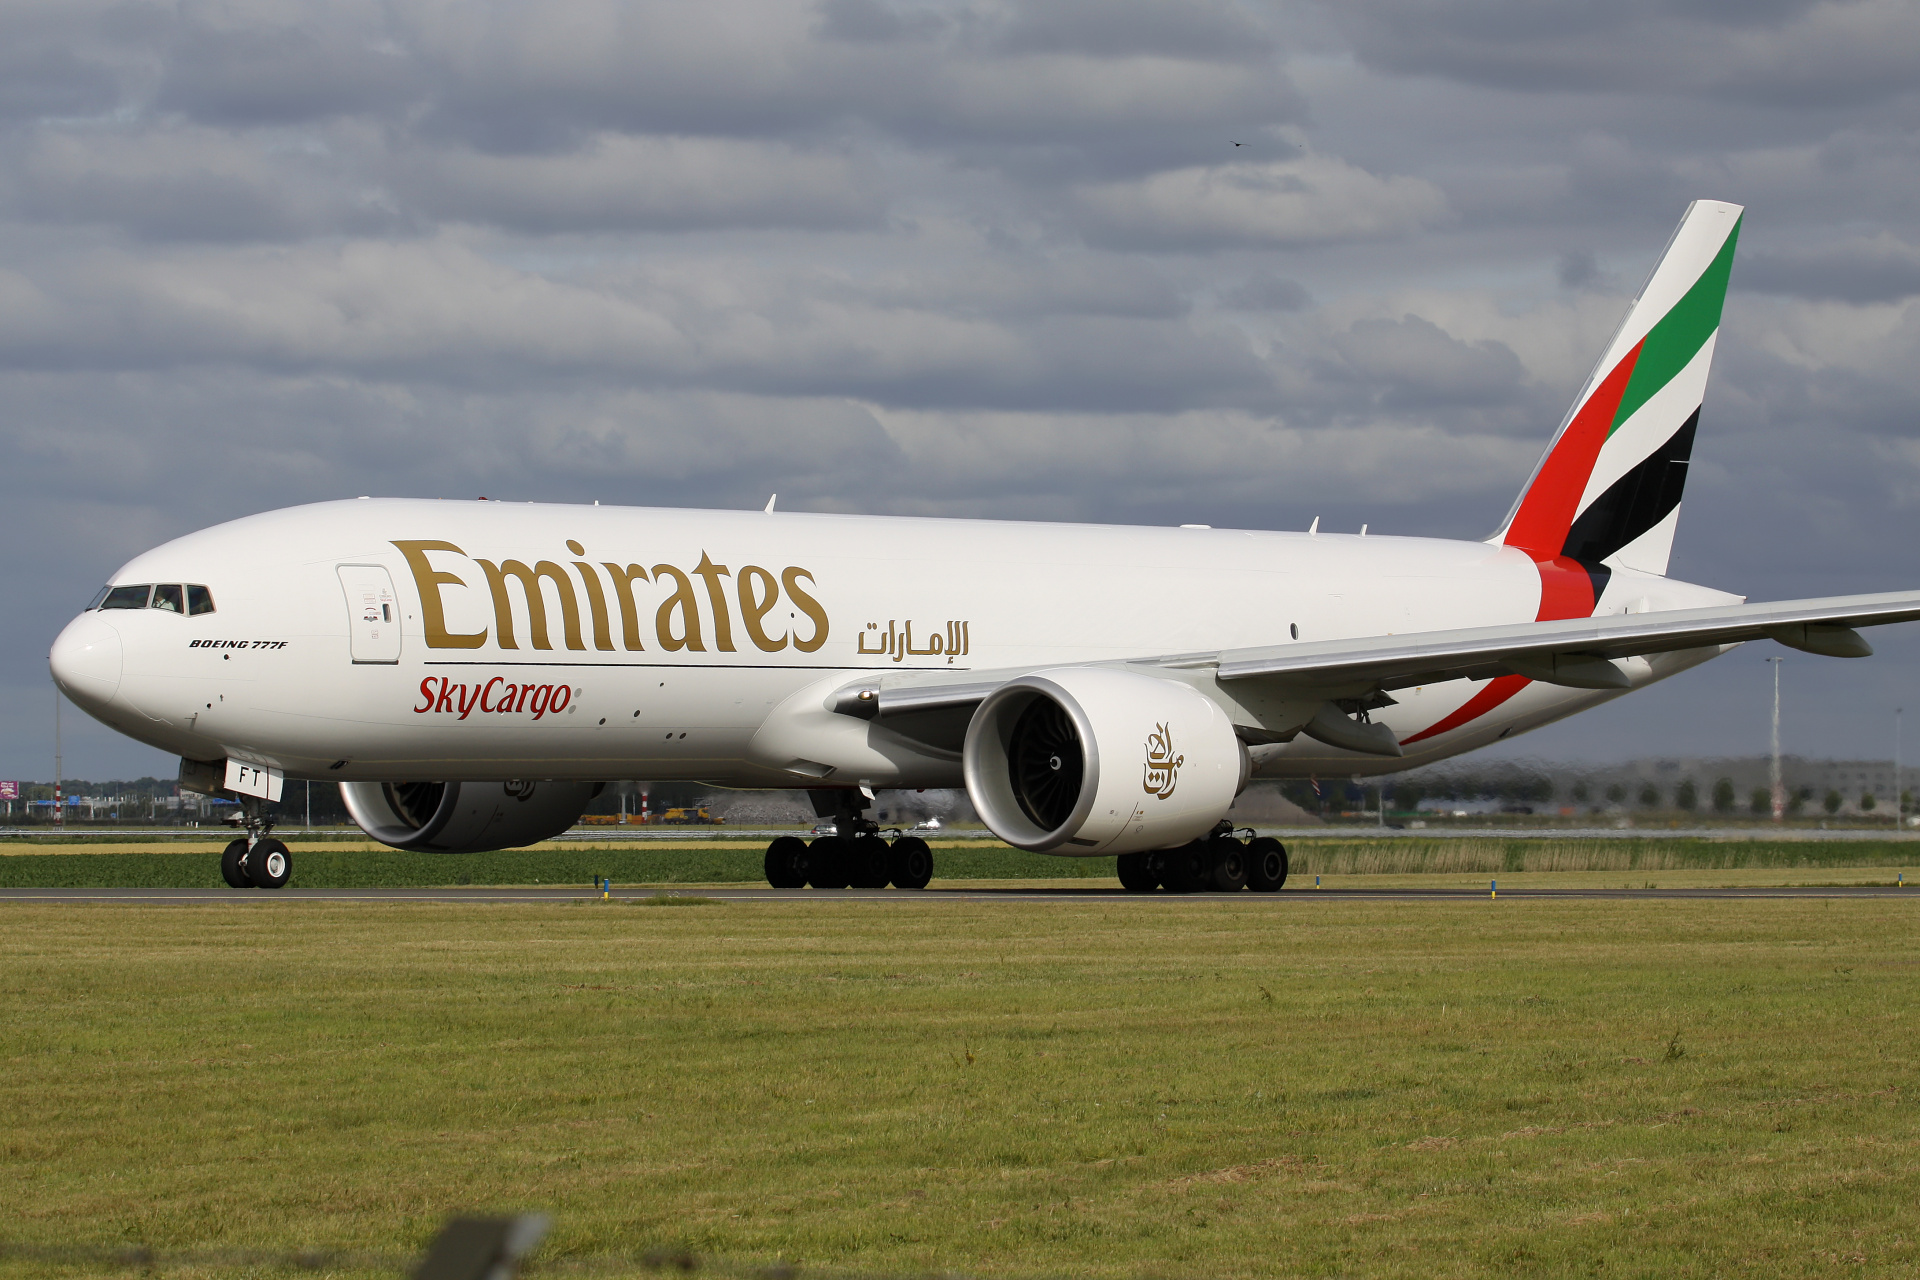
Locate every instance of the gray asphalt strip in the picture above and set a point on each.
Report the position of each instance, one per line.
(482, 894)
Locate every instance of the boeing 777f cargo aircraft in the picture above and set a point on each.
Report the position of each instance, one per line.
(471, 672)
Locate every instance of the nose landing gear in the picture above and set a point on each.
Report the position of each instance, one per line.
(256, 860)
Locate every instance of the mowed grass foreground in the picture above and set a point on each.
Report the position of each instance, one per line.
(1174, 1087)
(362, 864)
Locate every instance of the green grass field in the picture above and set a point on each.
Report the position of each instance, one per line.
(1182, 1088)
(363, 864)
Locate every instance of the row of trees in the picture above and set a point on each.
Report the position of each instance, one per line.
(1519, 790)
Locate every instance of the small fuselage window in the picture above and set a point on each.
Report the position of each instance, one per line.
(171, 597)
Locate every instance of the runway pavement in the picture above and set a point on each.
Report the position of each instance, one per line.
(1287, 899)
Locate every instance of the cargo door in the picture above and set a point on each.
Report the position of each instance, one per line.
(373, 612)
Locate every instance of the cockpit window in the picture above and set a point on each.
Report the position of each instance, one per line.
(171, 596)
(97, 598)
(126, 597)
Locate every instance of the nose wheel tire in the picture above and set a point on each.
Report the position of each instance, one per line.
(787, 863)
(910, 863)
(1266, 864)
(233, 866)
(269, 864)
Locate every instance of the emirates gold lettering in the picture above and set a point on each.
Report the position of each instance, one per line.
(682, 603)
(722, 626)
(758, 594)
(596, 598)
(693, 609)
(433, 614)
(536, 599)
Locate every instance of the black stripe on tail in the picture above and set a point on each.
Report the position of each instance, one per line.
(1635, 502)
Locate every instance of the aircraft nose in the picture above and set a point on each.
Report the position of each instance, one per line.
(86, 661)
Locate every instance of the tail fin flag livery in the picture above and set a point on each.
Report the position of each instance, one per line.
(1607, 492)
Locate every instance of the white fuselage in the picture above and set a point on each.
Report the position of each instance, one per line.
(717, 657)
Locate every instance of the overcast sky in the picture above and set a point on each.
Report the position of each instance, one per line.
(976, 259)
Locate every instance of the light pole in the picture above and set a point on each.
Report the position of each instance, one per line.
(1777, 791)
(1899, 810)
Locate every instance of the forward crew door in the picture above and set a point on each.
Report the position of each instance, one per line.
(373, 612)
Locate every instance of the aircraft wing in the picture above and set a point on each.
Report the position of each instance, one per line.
(1577, 652)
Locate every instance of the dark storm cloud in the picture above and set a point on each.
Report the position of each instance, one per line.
(1882, 269)
(1785, 54)
(334, 60)
(1196, 261)
(1267, 292)
(1413, 362)
(1207, 32)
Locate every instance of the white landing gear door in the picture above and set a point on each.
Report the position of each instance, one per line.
(373, 612)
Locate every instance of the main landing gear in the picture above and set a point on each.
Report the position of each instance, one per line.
(256, 860)
(856, 856)
(1216, 863)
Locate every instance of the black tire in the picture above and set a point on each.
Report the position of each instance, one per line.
(910, 863)
(269, 864)
(1266, 864)
(787, 863)
(1138, 873)
(871, 864)
(1226, 865)
(1184, 870)
(233, 866)
(828, 862)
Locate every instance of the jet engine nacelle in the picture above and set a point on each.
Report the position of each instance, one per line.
(465, 817)
(1093, 760)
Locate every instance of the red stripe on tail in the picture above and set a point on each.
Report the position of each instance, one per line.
(1546, 512)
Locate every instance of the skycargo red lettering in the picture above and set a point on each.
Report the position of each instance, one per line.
(438, 695)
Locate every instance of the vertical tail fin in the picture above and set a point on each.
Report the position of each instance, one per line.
(1607, 492)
